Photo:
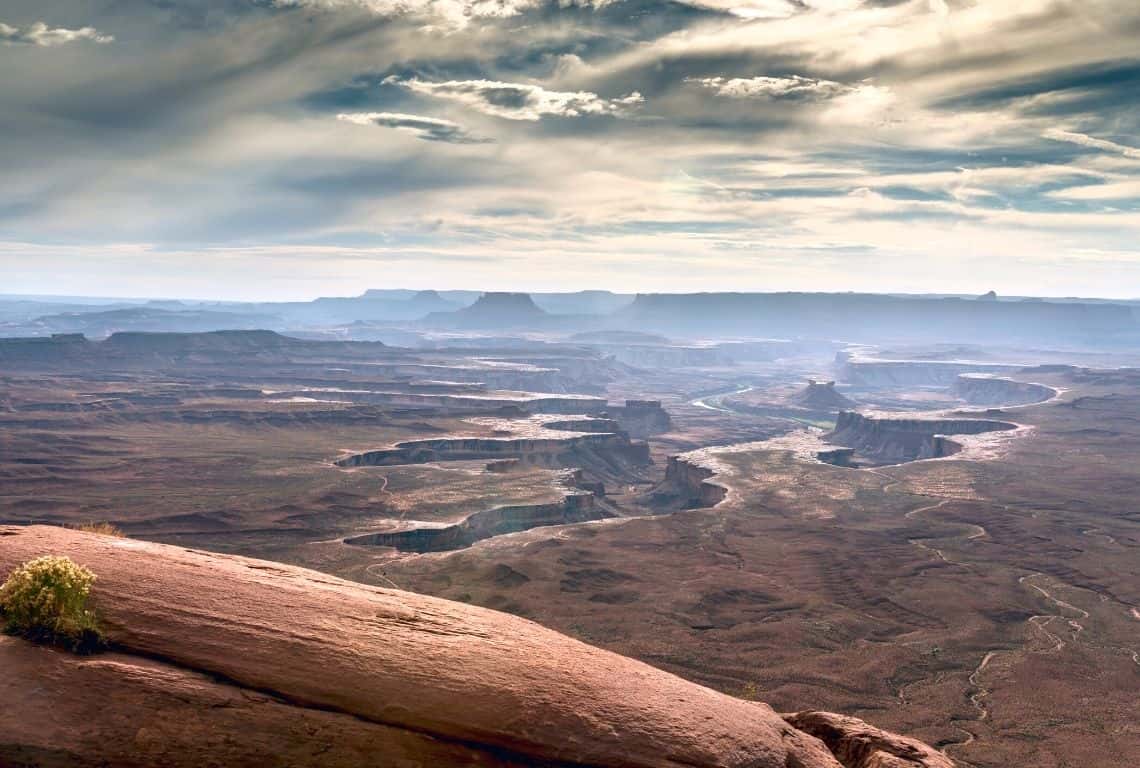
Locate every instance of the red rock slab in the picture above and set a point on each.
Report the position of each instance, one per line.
(446, 670)
(859, 745)
(58, 710)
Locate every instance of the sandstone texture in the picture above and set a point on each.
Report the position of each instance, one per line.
(223, 660)
(859, 745)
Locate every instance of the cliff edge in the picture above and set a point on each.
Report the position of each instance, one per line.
(226, 660)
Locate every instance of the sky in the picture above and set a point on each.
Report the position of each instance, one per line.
(287, 149)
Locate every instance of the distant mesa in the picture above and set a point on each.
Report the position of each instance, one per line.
(822, 396)
(154, 317)
(373, 306)
(504, 306)
(431, 301)
(138, 348)
(582, 302)
(492, 310)
(871, 316)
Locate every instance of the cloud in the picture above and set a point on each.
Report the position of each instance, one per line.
(426, 128)
(40, 34)
(519, 101)
(793, 88)
(859, 103)
(1121, 190)
(1057, 134)
(453, 13)
(749, 9)
(771, 146)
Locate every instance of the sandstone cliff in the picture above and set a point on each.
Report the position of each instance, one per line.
(222, 660)
(899, 439)
(980, 389)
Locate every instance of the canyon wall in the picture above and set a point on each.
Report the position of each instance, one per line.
(993, 391)
(688, 485)
(910, 373)
(543, 452)
(576, 507)
(899, 439)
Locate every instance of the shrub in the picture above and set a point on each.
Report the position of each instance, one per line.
(46, 600)
(104, 529)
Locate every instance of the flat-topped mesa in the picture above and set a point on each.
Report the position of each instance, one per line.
(493, 310)
(154, 349)
(642, 418)
(542, 452)
(872, 373)
(822, 396)
(477, 401)
(851, 315)
(506, 302)
(897, 439)
(222, 660)
(995, 391)
(54, 349)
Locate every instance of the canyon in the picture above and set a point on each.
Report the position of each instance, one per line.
(893, 439)
(856, 533)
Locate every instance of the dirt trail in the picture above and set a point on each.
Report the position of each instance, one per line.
(1042, 621)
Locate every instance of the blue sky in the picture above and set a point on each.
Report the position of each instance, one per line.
(295, 148)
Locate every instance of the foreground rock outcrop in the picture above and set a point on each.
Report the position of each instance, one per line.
(222, 660)
(859, 745)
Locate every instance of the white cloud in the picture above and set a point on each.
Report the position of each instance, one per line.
(519, 101)
(794, 87)
(453, 13)
(426, 128)
(40, 34)
(1121, 190)
(1091, 141)
(858, 103)
(748, 9)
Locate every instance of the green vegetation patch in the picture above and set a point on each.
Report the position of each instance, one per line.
(45, 600)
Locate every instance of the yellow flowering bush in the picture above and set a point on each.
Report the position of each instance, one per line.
(46, 599)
